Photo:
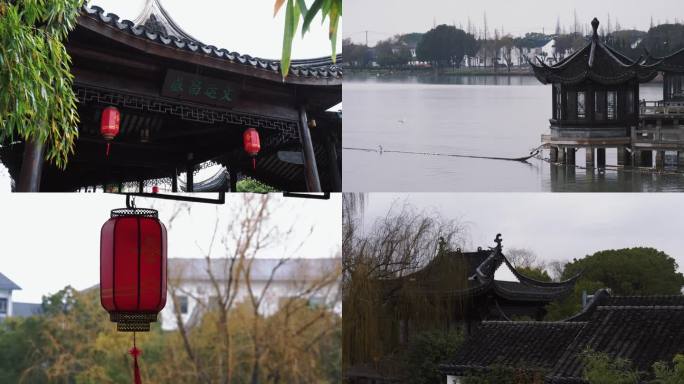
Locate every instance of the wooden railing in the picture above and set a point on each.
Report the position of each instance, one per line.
(658, 135)
(661, 108)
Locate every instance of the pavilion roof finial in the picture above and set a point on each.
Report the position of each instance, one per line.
(595, 24)
(156, 19)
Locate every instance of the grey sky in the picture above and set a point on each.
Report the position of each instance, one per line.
(385, 18)
(52, 240)
(555, 226)
(247, 27)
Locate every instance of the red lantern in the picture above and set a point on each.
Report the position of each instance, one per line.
(109, 124)
(252, 144)
(133, 268)
(133, 271)
(155, 189)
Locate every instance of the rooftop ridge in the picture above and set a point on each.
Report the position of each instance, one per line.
(316, 68)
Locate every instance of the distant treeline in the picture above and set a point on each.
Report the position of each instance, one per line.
(447, 45)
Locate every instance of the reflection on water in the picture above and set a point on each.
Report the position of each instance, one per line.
(468, 115)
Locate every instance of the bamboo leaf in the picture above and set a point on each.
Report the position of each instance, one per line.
(288, 37)
(315, 7)
(277, 6)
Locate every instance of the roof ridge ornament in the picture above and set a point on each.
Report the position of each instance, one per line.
(154, 18)
(595, 24)
(498, 241)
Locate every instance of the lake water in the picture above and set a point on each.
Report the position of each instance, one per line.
(467, 115)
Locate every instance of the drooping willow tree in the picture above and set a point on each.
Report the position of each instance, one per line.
(390, 283)
(37, 102)
(296, 9)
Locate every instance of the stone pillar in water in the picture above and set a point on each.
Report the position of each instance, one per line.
(590, 157)
(647, 158)
(660, 159)
(561, 155)
(570, 156)
(622, 156)
(553, 154)
(601, 157)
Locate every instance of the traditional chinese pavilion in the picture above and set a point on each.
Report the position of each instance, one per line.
(184, 106)
(595, 102)
(661, 127)
(456, 290)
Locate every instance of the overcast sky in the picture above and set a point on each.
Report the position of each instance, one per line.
(52, 240)
(247, 27)
(385, 18)
(555, 226)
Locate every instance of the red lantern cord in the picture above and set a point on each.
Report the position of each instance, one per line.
(135, 352)
(107, 152)
(254, 163)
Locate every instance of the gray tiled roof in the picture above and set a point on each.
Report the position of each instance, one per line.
(642, 329)
(6, 283)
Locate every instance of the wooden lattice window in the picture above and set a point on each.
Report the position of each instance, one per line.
(581, 105)
(612, 105)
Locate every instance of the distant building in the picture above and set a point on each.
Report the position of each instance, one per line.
(10, 308)
(195, 290)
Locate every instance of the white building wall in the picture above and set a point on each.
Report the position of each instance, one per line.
(278, 290)
(6, 294)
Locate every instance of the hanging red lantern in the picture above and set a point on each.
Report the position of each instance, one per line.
(109, 124)
(155, 189)
(252, 144)
(133, 271)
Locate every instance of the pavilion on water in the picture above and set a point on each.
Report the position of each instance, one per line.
(596, 105)
(184, 107)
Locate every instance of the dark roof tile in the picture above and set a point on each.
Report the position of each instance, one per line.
(319, 67)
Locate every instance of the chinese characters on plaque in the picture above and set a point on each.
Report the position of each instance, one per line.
(202, 89)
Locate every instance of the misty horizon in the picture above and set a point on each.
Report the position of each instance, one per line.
(502, 20)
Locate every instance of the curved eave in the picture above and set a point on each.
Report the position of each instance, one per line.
(124, 32)
(540, 294)
(527, 280)
(562, 72)
(667, 63)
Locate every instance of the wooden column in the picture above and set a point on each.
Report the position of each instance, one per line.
(313, 183)
(31, 167)
(601, 157)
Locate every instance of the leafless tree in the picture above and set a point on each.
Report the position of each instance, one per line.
(244, 239)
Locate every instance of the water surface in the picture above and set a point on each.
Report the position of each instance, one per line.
(468, 115)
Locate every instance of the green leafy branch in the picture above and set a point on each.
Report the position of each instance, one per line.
(37, 101)
(296, 9)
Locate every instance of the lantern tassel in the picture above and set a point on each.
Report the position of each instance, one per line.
(135, 352)
(254, 163)
(107, 152)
